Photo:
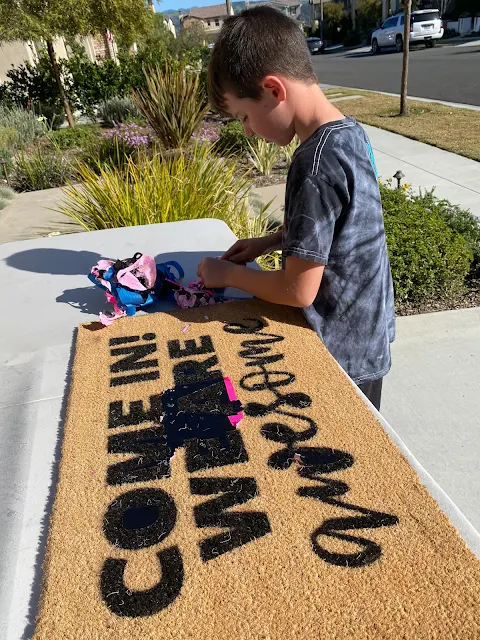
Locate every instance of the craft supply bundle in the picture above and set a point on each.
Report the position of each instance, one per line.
(137, 282)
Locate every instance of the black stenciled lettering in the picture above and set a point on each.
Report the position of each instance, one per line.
(123, 340)
(136, 412)
(314, 460)
(191, 348)
(151, 463)
(241, 328)
(134, 358)
(136, 377)
(139, 518)
(195, 370)
(126, 603)
(243, 526)
(204, 454)
(312, 466)
(127, 339)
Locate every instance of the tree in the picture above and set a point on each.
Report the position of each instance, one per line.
(406, 50)
(333, 13)
(50, 19)
(369, 15)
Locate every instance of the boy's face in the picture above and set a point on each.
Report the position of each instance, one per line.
(270, 118)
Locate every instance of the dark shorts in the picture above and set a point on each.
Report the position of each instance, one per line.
(373, 391)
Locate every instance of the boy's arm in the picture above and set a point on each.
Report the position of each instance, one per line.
(296, 286)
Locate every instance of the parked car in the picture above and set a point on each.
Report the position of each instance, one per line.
(316, 45)
(425, 26)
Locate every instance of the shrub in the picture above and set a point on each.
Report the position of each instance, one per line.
(459, 220)
(6, 194)
(29, 127)
(116, 145)
(233, 140)
(264, 155)
(53, 116)
(165, 188)
(8, 137)
(81, 137)
(450, 33)
(41, 169)
(117, 110)
(206, 132)
(428, 258)
(173, 104)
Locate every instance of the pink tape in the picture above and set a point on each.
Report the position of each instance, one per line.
(233, 397)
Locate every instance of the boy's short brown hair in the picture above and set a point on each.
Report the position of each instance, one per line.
(256, 43)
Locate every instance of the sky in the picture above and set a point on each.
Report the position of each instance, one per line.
(183, 4)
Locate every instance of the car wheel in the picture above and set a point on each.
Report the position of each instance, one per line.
(375, 47)
(432, 43)
(399, 44)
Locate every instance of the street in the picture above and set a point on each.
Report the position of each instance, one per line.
(449, 73)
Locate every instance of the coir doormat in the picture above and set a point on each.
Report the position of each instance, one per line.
(221, 480)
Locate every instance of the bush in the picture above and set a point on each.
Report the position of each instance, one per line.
(264, 155)
(165, 188)
(459, 220)
(117, 110)
(172, 103)
(233, 140)
(6, 194)
(116, 145)
(8, 137)
(428, 258)
(81, 137)
(28, 126)
(41, 169)
(53, 117)
(28, 84)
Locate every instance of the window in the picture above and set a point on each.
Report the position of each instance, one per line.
(425, 17)
(217, 22)
(402, 21)
(208, 22)
(391, 22)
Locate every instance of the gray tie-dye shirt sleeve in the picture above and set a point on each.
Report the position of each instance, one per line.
(333, 216)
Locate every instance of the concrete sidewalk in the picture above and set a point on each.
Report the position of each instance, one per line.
(431, 396)
(29, 215)
(454, 177)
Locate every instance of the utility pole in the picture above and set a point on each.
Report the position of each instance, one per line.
(406, 51)
(354, 11)
(229, 7)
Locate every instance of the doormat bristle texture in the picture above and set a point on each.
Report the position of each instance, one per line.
(221, 480)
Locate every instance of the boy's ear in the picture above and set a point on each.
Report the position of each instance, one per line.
(275, 87)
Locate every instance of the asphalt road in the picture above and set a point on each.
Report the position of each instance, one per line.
(444, 73)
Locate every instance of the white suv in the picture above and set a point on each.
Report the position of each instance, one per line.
(425, 26)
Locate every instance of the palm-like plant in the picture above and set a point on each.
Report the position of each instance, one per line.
(173, 104)
(264, 155)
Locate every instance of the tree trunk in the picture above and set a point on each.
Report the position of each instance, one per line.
(58, 78)
(406, 51)
(229, 7)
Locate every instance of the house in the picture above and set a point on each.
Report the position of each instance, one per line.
(211, 18)
(291, 8)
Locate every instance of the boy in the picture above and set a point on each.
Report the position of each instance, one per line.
(335, 261)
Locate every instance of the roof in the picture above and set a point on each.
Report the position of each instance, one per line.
(204, 13)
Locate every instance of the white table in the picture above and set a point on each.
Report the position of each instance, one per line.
(45, 295)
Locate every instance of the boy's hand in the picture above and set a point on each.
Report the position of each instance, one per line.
(215, 273)
(244, 251)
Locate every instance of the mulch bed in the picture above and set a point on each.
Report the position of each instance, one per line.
(469, 298)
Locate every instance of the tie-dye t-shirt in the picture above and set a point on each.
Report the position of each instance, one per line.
(333, 216)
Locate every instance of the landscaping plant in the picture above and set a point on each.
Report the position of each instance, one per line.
(165, 188)
(264, 155)
(6, 194)
(42, 169)
(27, 125)
(172, 103)
(232, 140)
(83, 136)
(117, 110)
(428, 258)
